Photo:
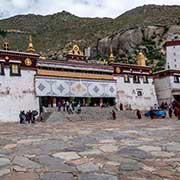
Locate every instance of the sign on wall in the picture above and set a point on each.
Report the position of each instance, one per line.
(46, 86)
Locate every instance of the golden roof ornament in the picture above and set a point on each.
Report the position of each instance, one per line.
(126, 59)
(30, 48)
(6, 45)
(76, 51)
(111, 57)
(42, 57)
(141, 59)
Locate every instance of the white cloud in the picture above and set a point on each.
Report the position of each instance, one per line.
(90, 8)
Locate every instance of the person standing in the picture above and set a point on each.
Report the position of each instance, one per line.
(113, 114)
(138, 113)
(67, 106)
(121, 107)
(170, 112)
(20, 117)
(151, 113)
(79, 108)
(28, 117)
(59, 106)
(178, 113)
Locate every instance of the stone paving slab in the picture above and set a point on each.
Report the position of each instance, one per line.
(22, 176)
(66, 155)
(26, 163)
(4, 162)
(126, 149)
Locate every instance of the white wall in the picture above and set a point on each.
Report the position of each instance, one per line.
(127, 93)
(163, 88)
(17, 93)
(173, 57)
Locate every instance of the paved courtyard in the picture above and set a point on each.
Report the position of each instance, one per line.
(84, 150)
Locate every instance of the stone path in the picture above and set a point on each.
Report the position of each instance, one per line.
(90, 150)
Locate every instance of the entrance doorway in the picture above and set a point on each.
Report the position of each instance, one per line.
(88, 101)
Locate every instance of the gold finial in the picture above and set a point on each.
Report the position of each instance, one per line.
(76, 51)
(42, 57)
(30, 48)
(111, 56)
(141, 59)
(126, 59)
(6, 45)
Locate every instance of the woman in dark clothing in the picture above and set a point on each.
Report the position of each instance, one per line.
(151, 114)
(113, 114)
(170, 112)
(138, 113)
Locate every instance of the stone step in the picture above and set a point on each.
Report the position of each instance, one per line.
(90, 113)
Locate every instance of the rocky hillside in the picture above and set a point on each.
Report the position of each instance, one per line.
(148, 39)
(144, 28)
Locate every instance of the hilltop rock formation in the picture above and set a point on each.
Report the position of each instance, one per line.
(148, 39)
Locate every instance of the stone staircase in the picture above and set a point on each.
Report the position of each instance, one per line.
(88, 113)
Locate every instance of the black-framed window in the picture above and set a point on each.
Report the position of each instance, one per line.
(176, 79)
(139, 93)
(126, 78)
(15, 69)
(1, 68)
(145, 79)
(136, 79)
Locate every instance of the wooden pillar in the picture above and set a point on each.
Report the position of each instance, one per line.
(54, 101)
(49, 101)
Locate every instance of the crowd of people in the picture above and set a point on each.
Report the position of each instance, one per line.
(69, 107)
(28, 117)
(173, 108)
(72, 107)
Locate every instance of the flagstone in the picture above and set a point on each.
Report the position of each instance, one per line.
(67, 155)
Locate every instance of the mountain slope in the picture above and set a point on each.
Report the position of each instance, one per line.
(144, 27)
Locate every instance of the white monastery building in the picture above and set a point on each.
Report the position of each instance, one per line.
(28, 82)
(167, 82)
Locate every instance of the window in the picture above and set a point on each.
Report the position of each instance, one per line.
(126, 78)
(1, 68)
(139, 93)
(145, 79)
(176, 79)
(136, 79)
(15, 70)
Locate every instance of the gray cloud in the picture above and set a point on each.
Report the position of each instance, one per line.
(90, 8)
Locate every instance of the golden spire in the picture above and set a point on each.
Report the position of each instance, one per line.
(30, 48)
(76, 51)
(141, 59)
(126, 59)
(111, 56)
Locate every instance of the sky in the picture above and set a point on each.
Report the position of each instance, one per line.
(82, 8)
